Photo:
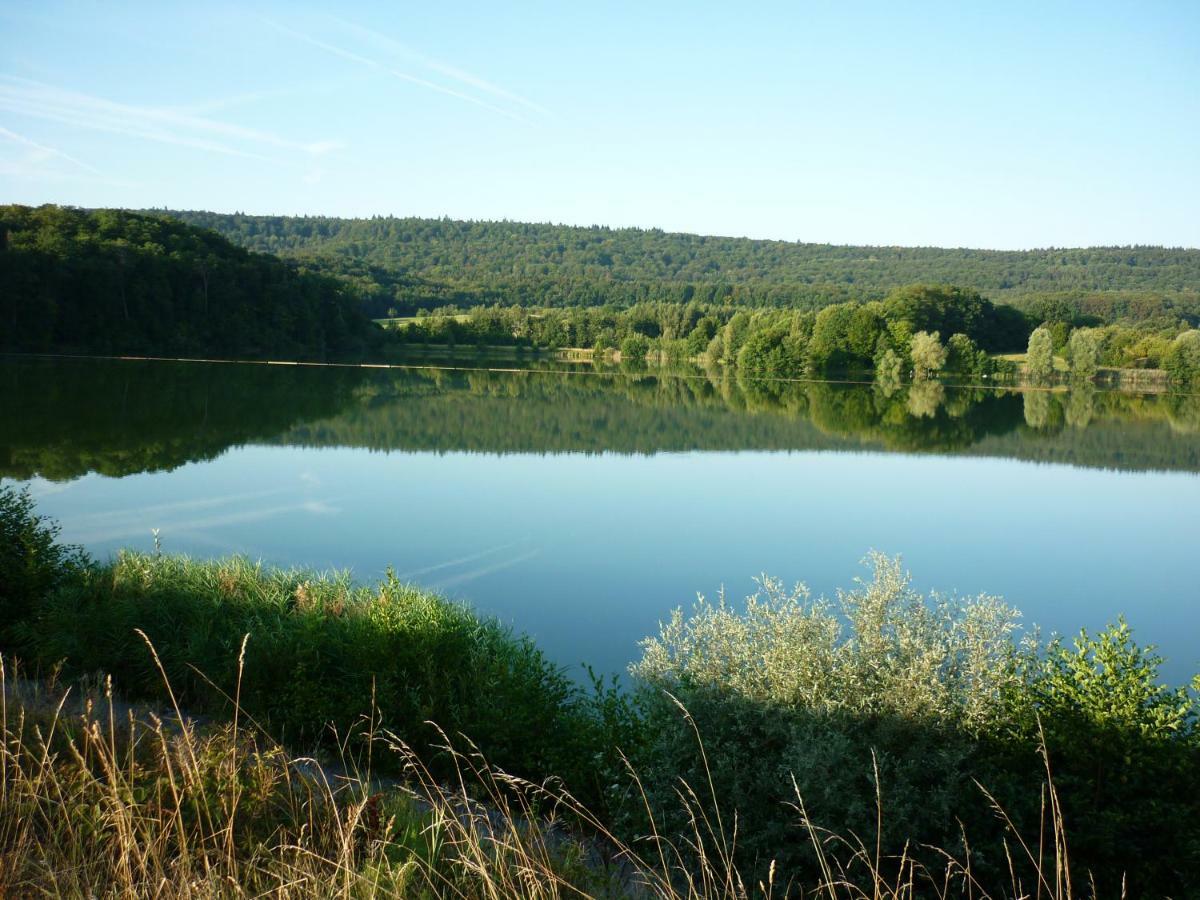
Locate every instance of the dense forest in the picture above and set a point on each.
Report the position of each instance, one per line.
(916, 331)
(404, 264)
(842, 337)
(108, 281)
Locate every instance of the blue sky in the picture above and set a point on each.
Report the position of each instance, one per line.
(957, 124)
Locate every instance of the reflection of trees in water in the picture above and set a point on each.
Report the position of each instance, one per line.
(888, 373)
(1081, 405)
(64, 418)
(925, 397)
(1183, 412)
(124, 417)
(1038, 407)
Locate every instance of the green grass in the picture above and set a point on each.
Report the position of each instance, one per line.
(407, 320)
(1060, 362)
(321, 654)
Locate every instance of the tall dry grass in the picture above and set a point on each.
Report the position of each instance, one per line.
(99, 798)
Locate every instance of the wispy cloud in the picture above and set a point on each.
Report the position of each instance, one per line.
(384, 68)
(458, 561)
(464, 577)
(44, 150)
(32, 98)
(25, 170)
(126, 524)
(443, 68)
(206, 107)
(34, 160)
(174, 507)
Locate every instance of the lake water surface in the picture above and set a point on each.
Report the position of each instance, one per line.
(581, 507)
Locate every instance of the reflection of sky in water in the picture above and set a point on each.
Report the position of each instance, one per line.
(587, 553)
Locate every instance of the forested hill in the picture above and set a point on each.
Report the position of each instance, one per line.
(412, 262)
(107, 281)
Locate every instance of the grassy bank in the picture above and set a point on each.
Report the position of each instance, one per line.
(103, 798)
(322, 653)
(901, 723)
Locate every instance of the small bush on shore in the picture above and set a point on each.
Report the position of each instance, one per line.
(799, 696)
(33, 564)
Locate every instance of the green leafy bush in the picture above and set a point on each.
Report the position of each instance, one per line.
(794, 699)
(803, 696)
(1125, 750)
(634, 349)
(1182, 361)
(32, 563)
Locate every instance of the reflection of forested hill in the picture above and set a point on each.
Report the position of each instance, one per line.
(1166, 439)
(547, 413)
(118, 418)
(64, 418)
(544, 413)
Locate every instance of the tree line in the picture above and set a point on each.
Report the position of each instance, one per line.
(892, 336)
(108, 281)
(917, 331)
(405, 264)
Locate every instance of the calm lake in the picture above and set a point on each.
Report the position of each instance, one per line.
(580, 507)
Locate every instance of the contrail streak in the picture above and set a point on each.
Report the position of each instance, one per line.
(486, 570)
(380, 67)
(28, 142)
(438, 66)
(454, 562)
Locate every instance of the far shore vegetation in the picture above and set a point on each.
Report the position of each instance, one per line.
(119, 417)
(903, 745)
(117, 282)
(917, 332)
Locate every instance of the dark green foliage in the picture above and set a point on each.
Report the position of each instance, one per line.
(941, 308)
(634, 349)
(1125, 751)
(772, 353)
(1089, 308)
(965, 359)
(702, 334)
(1182, 361)
(838, 343)
(409, 263)
(118, 282)
(33, 565)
